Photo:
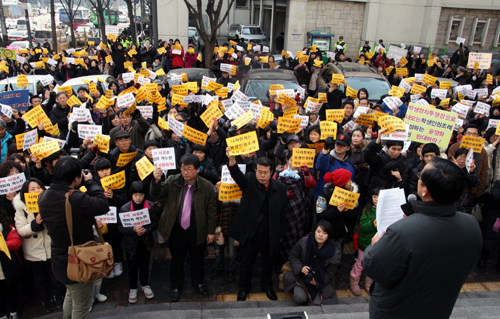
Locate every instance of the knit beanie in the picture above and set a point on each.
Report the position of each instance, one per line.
(338, 177)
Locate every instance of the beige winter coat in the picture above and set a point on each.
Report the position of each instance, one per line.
(36, 245)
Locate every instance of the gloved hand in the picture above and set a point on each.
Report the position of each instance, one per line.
(233, 128)
(95, 149)
(136, 114)
(305, 170)
(201, 169)
(182, 141)
(290, 194)
(329, 143)
(284, 137)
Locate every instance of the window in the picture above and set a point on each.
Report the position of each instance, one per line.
(455, 29)
(241, 3)
(496, 41)
(479, 32)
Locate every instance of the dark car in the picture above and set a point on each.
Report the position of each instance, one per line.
(193, 74)
(357, 76)
(256, 83)
(18, 35)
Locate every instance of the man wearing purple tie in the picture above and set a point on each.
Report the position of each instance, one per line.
(188, 221)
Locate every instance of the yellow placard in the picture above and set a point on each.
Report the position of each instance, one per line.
(20, 139)
(67, 89)
(115, 181)
(335, 115)
(342, 196)
(3, 246)
(352, 93)
(212, 86)
(222, 92)
(161, 50)
(160, 72)
(429, 79)
(229, 192)
(31, 200)
(184, 77)
(303, 156)
(489, 78)
(389, 70)
(111, 36)
(445, 85)
(243, 119)
(42, 150)
(402, 71)
(144, 167)
(291, 112)
(337, 78)
(304, 58)
(476, 65)
(108, 59)
(210, 113)
(431, 62)
(177, 99)
(391, 123)
(285, 99)
(131, 109)
(163, 124)
(249, 47)
(397, 91)
(236, 85)
(194, 136)
(366, 119)
(125, 158)
(22, 80)
(92, 88)
(192, 86)
(418, 89)
(287, 124)
(328, 129)
(37, 114)
(180, 89)
(102, 142)
(264, 59)
(476, 143)
(322, 97)
(265, 118)
(403, 61)
(243, 144)
(132, 52)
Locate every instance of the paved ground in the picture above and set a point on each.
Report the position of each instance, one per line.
(220, 290)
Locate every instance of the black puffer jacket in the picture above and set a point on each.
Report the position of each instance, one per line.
(59, 116)
(227, 210)
(130, 237)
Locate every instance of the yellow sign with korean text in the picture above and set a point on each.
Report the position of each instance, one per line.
(342, 196)
(291, 112)
(22, 80)
(287, 124)
(194, 136)
(476, 143)
(102, 141)
(335, 115)
(210, 113)
(144, 167)
(303, 156)
(115, 181)
(243, 119)
(31, 200)
(352, 93)
(429, 79)
(3, 246)
(243, 144)
(42, 150)
(265, 118)
(328, 129)
(391, 123)
(366, 119)
(229, 192)
(418, 89)
(337, 78)
(125, 158)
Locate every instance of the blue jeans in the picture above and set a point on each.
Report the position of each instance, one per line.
(219, 254)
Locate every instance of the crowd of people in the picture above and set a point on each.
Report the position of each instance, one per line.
(281, 208)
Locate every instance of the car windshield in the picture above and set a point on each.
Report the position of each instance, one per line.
(257, 89)
(17, 33)
(14, 87)
(21, 21)
(192, 32)
(255, 30)
(375, 87)
(233, 27)
(43, 34)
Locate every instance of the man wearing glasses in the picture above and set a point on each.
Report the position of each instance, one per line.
(188, 221)
(480, 159)
(258, 223)
(420, 264)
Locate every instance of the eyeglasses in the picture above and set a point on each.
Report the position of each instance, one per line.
(474, 134)
(263, 172)
(187, 170)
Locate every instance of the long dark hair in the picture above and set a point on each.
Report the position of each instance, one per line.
(5, 219)
(26, 186)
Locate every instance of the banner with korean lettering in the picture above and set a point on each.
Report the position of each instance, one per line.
(18, 100)
(429, 125)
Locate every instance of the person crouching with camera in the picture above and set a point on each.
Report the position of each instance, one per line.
(314, 261)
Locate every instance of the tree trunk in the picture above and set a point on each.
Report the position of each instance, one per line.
(53, 26)
(70, 17)
(131, 16)
(100, 9)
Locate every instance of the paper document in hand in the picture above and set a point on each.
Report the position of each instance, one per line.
(389, 208)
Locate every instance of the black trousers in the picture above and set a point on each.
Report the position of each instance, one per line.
(138, 265)
(8, 296)
(249, 252)
(180, 241)
(45, 281)
(114, 238)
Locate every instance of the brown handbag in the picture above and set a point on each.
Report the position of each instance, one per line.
(90, 261)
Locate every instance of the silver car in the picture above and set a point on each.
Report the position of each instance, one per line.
(231, 31)
(253, 33)
(194, 33)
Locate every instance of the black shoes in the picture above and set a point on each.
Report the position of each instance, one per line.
(231, 277)
(242, 295)
(481, 265)
(215, 273)
(202, 289)
(48, 305)
(59, 299)
(175, 295)
(270, 293)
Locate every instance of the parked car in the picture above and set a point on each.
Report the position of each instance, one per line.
(35, 86)
(77, 82)
(252, 32)
(231, 31)
(18, 35)
(21, 44)
(40, 36)
(84, 29)
(10, 23)
(257, 81)
(193, 74)
(192, 32)
(357, 76)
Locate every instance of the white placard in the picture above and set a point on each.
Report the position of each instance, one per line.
(313, 107)
(164, 158)
(469, 159)
(206, 79)
(482, 93)
(415, 97)
(349, 126)
(11, 184)
(142, 80)
(289, 92)
(193, 99)
(176, 51)
(304, 120)
(419, 77)
(30, 139)
(224, 67)
(422, 102)
(125, 100)
(52, 62)
(330, 55)
(112, 29)
(88, 131)
(146, 111)
(135, 218)
(6, 110)
(403, 84)
(439, 93)
(482, 108)
(80, 114)
(458, 123)
(176, 126)
(177, 79)
(393, 102)
(46, 79)
(230, 87)
(396, 53)
(20, 59)
(128, 77)
(238, 48)
(492, 123)
(460, 109)
(389, 208)
(109, 217)
(70, 60)
(361, 110)
(226, 176)
(460, 40)
(416, 49)
(227, 103)
(265, 49)
(234, 112)
(48, 138)
(238, 95)
(256, 48)
(245, 105)
(207, 99)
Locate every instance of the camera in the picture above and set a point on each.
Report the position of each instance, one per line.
(310, 276)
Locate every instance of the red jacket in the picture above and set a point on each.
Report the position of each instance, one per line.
(385, 64)
(177, 61)
(190, 60)
(11, 267)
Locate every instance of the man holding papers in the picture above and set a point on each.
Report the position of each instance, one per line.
(420, 264)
